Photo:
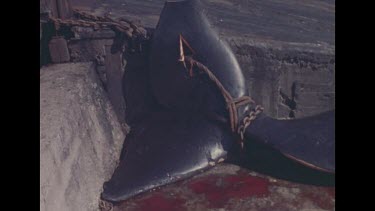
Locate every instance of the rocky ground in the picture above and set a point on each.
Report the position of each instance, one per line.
(80, 137)
(229, 187)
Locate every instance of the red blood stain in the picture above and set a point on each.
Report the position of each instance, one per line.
(159, 201)
(218, 190)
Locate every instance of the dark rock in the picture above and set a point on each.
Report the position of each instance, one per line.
(58, 49)
(87, 50)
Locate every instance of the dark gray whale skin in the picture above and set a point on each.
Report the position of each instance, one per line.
(167, 147)
(171, 84)
(310, 140)
(173, 135)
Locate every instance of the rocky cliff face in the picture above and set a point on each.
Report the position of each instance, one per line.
(80, 137)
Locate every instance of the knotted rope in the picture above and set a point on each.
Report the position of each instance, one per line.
(232, 104)
(105, 205)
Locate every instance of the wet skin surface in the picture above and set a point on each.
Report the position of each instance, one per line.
(231, 27)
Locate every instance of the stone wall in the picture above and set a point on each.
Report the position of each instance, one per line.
(286, 49)
(289, 81)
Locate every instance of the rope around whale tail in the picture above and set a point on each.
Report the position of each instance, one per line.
(105, 205)
(132, 30)
(232, 103)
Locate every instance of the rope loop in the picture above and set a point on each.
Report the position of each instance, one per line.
(232, 104)
(105, 205)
